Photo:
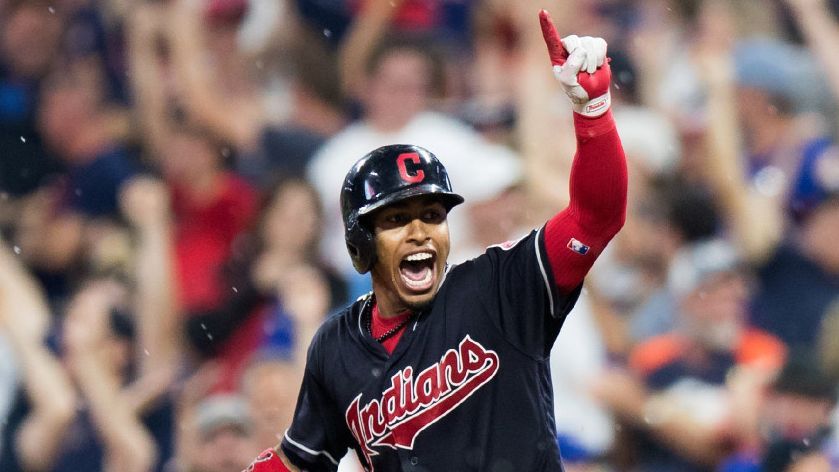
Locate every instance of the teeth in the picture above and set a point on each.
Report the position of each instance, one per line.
(419, 256)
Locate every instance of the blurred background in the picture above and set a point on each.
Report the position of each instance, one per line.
(171, 238)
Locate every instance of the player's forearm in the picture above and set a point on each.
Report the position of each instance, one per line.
(577, 235)
(598, 187)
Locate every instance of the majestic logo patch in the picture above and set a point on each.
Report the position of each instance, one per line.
(578, 247)
(413, 403)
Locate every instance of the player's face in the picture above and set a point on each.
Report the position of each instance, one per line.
(412, 245)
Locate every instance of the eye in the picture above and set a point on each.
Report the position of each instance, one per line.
(434, 215)
(396, 218)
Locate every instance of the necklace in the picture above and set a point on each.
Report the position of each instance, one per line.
(391, 332)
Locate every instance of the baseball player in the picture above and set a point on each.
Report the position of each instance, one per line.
(445, 367)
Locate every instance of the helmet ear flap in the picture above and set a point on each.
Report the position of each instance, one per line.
(361, 246)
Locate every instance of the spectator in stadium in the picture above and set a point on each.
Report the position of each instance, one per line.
(270, 386)
(31, 443)
(270, 138)
(84, 392)
(211, 204)
(672, 216)
(802, 275)
(795, 429)
(85, 131)
(29, 41)
(217, 435)
(781, 224)
(122, 365)
(678, 397)
(282, 289)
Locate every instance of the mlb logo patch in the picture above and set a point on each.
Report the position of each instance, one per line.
(578, 247)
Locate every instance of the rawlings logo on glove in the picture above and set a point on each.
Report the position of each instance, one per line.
(581, 66)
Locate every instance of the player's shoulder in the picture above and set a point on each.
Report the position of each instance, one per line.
(480, 264)
(513, 243)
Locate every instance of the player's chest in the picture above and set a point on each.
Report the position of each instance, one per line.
(436, 372)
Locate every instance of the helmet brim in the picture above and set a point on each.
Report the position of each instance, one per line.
(449, 199)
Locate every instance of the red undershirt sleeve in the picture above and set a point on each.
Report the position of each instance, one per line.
(596, 211)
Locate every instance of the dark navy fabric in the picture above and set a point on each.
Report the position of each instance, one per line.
(24, 161)
(93, 188)
(793, 296)
(467, 388)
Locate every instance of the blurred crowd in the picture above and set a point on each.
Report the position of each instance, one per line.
(171, 234)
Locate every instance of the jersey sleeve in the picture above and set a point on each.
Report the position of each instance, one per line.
(316, 439)
(520, 295)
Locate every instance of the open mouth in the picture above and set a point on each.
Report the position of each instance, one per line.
(417, 270)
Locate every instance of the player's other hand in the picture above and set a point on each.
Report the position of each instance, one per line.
(581, 66)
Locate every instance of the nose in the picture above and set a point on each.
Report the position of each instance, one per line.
(417, 231)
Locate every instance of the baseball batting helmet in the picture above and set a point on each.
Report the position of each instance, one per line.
(385, 176)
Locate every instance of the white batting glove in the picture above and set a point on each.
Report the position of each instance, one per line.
(581, 66)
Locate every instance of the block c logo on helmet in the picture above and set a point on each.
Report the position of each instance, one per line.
(409, 177)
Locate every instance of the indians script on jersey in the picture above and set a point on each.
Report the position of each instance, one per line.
(413, 403)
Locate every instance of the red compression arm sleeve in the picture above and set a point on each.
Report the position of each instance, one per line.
(597, 209)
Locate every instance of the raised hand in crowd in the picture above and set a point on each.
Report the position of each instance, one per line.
(755, 217)
(212, 75)
(97, 358)
(25, 320)
(305, 294)
(820, 25)
(145, 203)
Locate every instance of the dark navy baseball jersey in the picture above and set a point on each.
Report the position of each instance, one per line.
(467, 387)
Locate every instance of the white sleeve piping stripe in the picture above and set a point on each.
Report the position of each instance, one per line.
(544, 274)
(309, 450)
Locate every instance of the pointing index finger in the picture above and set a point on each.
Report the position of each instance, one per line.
(556, 51)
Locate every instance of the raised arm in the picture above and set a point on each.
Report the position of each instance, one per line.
(598, 183)
(754, 219)
(145, 203)
(821, 30)
(128, 446)
(367, 30)
(145, 25)
(24, 318)
(203, 98)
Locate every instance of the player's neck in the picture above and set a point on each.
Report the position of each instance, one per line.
(387, 302)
